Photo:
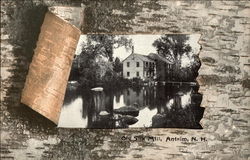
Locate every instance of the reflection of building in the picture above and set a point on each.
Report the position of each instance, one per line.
(131, 97)
(138, 66)
(143, 97)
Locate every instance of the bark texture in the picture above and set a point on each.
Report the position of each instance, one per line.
(224, 82)
(49, 70)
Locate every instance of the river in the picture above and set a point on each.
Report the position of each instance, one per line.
(161, 106)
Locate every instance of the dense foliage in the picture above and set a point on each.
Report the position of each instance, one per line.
(176, 47)
(95, 63)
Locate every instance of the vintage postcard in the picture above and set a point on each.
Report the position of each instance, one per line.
(125, 80)
(141, 80)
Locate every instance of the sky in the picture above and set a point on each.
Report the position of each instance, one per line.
(142, 45)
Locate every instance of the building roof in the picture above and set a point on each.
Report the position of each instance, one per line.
(158, 57)
(140, 56)
(152, 57)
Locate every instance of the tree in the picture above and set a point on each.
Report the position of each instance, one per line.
(117, 65)
(96, 58)
(174, 47)
(105, 44)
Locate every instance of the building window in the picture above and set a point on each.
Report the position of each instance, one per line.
(127, 74)
(137, 74)
(127, 64)
(137, 64)
(146, 64)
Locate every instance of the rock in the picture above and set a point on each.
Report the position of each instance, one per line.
(158, 120)
(97, 89)
(129, 119)
(72, 85)
(103, 113)
(72, 82)
(180, 93)
(127, 110)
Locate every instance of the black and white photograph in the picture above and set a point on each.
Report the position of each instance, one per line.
(124, 81)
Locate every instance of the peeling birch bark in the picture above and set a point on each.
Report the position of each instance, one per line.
(49, 70)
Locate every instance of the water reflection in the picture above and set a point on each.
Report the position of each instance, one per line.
(72, 116)
(170, 106)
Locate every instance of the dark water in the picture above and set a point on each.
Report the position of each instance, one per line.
(162, 106)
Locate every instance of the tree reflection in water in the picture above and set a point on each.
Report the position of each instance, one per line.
(161, 106)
